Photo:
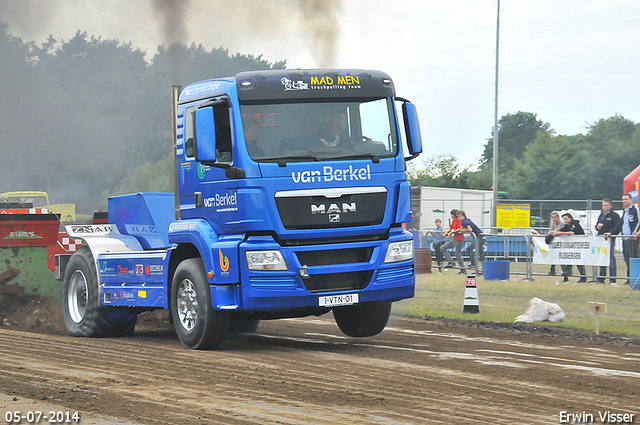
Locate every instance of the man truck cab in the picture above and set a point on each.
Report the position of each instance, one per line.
(290, 197)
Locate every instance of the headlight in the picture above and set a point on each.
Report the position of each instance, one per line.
(399, 251)
(265, 260)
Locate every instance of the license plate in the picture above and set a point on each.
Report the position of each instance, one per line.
(336, 300)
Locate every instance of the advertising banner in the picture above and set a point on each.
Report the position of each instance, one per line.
(576, 250)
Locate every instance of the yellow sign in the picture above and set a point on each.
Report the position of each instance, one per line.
(513, 215)
(326, 80)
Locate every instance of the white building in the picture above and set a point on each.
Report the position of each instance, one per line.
(429, 203)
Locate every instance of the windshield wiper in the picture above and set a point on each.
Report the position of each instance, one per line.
(372, 157)
(282, 160)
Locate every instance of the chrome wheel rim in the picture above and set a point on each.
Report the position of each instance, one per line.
(77, 296)
(187, 307)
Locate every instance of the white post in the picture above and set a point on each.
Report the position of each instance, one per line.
(494, 218)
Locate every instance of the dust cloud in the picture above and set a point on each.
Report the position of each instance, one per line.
(240, 23)
(172, 20)
(27, 16)
(316, 21)
(321, 18)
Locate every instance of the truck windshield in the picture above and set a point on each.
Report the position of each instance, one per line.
(320, 131)
(34, 201)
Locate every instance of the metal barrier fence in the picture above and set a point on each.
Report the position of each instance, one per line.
(480, 211)
(518, 250)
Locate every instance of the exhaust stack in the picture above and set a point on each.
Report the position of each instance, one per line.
(175, 94)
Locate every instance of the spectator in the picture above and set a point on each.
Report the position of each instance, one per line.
(468, 226)
(554, 225)
(607, 220)
(456, 242)
(628, 226)
(571, 227)
(438, 241)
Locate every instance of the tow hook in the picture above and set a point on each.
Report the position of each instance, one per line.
(303, 272)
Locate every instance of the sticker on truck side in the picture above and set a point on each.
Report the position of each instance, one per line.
(89, 230)
(337, 300)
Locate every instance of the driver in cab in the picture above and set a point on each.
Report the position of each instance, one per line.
(335, 133)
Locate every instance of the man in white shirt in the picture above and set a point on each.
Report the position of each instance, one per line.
(629, 225)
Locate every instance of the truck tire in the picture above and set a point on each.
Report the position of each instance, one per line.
(198, 325)
(82, 313)
(360, 320)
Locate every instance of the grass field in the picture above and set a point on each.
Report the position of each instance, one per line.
(502, 301)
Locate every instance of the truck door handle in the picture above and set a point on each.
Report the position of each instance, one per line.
(199, 202)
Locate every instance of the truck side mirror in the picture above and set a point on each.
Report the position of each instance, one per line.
(204, 139)
(412, 129)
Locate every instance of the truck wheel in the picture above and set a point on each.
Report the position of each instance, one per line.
(366, 319)
(81, 310)
(197, 324)
(244, 326)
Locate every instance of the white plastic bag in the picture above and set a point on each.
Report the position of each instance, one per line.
(541, 311)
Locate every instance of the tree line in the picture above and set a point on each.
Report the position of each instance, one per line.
(87, 118)
(536, 163)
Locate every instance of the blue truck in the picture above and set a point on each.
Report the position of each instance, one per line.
(290, 198)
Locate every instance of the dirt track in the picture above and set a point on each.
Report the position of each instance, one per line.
(305, 371)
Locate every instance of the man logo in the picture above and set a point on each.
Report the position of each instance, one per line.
(334, 218)
(333, 208)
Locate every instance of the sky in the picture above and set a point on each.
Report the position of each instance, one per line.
(571, 62)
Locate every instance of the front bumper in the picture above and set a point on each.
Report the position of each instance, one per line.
(331, 269)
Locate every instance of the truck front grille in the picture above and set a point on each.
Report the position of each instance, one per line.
(338, 281)
(335, 256)
(313, 210)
